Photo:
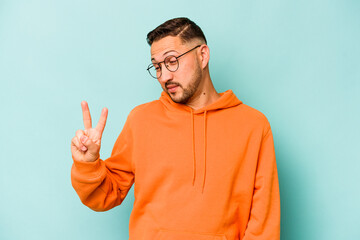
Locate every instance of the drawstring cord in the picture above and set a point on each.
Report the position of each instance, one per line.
(193, 148)
(203, 185)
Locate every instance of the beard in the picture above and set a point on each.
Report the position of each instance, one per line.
(189, 91)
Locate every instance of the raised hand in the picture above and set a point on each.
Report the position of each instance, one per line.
(85, 146)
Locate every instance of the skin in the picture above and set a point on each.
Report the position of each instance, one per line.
(85, 146)
(195, 89)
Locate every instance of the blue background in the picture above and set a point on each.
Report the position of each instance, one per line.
(298, 62)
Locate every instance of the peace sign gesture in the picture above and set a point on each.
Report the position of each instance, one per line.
(85, 146)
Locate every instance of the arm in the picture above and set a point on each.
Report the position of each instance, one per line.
(102, 185)
(264, 221)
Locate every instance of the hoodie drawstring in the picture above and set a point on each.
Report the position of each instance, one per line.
(193, 145)
(193, 148)
(203, 185)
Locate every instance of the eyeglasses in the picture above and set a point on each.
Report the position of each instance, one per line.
(171, 63)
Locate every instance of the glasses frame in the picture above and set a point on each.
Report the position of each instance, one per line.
(151, 65)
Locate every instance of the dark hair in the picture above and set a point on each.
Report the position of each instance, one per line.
(182, 27)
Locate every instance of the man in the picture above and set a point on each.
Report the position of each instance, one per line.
(202, 162)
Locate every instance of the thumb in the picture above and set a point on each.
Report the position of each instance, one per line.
(89, 144)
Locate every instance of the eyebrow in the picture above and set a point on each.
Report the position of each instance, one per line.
(165, 53)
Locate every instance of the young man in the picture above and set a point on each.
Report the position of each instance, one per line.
(202, 162)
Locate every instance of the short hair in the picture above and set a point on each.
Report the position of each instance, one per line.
(183, 27)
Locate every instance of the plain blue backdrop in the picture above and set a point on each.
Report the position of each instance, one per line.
(298, 62)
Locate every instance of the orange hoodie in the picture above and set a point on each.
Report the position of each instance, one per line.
(206, 174)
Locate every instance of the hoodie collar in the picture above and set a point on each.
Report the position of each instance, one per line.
(227, 100)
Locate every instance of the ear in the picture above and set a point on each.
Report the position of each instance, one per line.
(204, 56)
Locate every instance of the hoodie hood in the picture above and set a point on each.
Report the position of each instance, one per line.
(226, 100)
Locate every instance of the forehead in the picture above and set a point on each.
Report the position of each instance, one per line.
(166, 44)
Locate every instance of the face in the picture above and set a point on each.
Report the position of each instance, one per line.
(182, 84)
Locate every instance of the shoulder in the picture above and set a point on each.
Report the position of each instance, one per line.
(254, 117)
(144, 110)
(253, 113)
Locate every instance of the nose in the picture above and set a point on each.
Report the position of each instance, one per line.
(166, 75)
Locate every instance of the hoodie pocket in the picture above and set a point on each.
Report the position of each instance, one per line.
(177, 235)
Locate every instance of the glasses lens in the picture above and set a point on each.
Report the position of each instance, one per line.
(171, 63)
(154, 70)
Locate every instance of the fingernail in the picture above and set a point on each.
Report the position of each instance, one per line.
(84, 148)
(83, 138)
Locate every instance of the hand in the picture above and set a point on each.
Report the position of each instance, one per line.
(85, 146)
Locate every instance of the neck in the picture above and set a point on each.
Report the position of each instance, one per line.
(204, 95)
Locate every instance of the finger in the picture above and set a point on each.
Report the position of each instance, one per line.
(86, 115)
(101, 124)
(75, 142)
(80, 136)
(90, 145)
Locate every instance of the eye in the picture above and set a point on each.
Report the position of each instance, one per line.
(171, 61)
(157, 67)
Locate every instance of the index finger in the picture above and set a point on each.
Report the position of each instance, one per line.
(86, 115)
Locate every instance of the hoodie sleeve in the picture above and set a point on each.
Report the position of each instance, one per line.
(104, 184)
(264, 221)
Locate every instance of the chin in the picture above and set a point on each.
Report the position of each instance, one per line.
(180, 99)
(180, 96)
(176, 97)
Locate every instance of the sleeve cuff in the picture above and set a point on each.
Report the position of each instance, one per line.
(86, 171)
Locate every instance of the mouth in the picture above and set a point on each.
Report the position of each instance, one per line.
(172, 88)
